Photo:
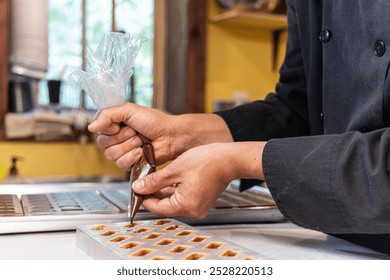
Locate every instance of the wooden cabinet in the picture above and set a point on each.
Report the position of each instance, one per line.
(4, 23)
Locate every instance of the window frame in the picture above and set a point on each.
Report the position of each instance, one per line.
(187, 60)
(4, 37)
(194, 63)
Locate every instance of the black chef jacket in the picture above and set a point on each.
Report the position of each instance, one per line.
(327, 160)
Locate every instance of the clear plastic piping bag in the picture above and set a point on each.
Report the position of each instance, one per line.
(109, 68)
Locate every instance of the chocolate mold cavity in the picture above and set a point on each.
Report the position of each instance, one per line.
(185, 232)
(160, 258)
(179, 249)
(161, 222)
(109, 232)
(198, 238)
(195, 256)
(119, 238)
(230, 253)
(213, 245)
(165, 242)
(172, 227)
(142, 252)
(129, 225)
(153, 235)
(130, 245)
(101, 227)
(141, 230)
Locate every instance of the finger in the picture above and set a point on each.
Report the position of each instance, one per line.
(107, 117)
(116, 151)
(154, 182)
(126, 161)
(162, 207)
(165, 192)
(171, 206)
(105, 141)
(109, 129)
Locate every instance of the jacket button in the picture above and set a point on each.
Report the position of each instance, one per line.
(379, 48)
(325, 35)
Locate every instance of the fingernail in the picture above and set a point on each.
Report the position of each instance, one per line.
(92, 124)
(92, 127)
(129, 133)
(138, 152)
(138, 185)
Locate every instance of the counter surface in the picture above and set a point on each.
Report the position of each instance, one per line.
(274, 241)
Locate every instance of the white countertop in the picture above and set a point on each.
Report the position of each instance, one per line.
(283, 241)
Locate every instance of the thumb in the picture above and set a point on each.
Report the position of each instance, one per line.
(153, 182)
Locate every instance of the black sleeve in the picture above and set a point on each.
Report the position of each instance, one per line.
(338, 184)
(332, 183)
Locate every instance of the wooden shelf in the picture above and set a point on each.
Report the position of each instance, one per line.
(260, 20)
(275, 23)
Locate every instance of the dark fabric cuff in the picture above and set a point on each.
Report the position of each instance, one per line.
(298, 176)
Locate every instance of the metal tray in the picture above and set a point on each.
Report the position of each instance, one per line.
(82, 202)
(156, 240)
(10, 206)
(254, 205)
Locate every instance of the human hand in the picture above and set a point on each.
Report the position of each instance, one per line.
(170, 135)
(121, 144)
(190, 184)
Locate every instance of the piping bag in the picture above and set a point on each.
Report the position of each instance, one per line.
(109, 70)
(145, 165)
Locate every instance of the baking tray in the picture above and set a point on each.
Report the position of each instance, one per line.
(85, 202)
(165, 239)
(10, 206)
(261, 207)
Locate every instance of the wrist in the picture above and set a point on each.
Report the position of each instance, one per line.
(192, 130)
(247, 159)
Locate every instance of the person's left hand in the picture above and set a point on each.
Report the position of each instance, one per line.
(190, 184)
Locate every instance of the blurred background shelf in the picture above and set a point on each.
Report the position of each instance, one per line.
(272, 22)
(246, 19)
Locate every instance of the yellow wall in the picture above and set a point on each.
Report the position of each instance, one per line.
(238, 59)
(55, 159)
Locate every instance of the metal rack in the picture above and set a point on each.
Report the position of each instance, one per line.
(53, 207)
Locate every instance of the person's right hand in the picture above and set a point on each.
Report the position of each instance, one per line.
(122, 145)
(191, 183)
